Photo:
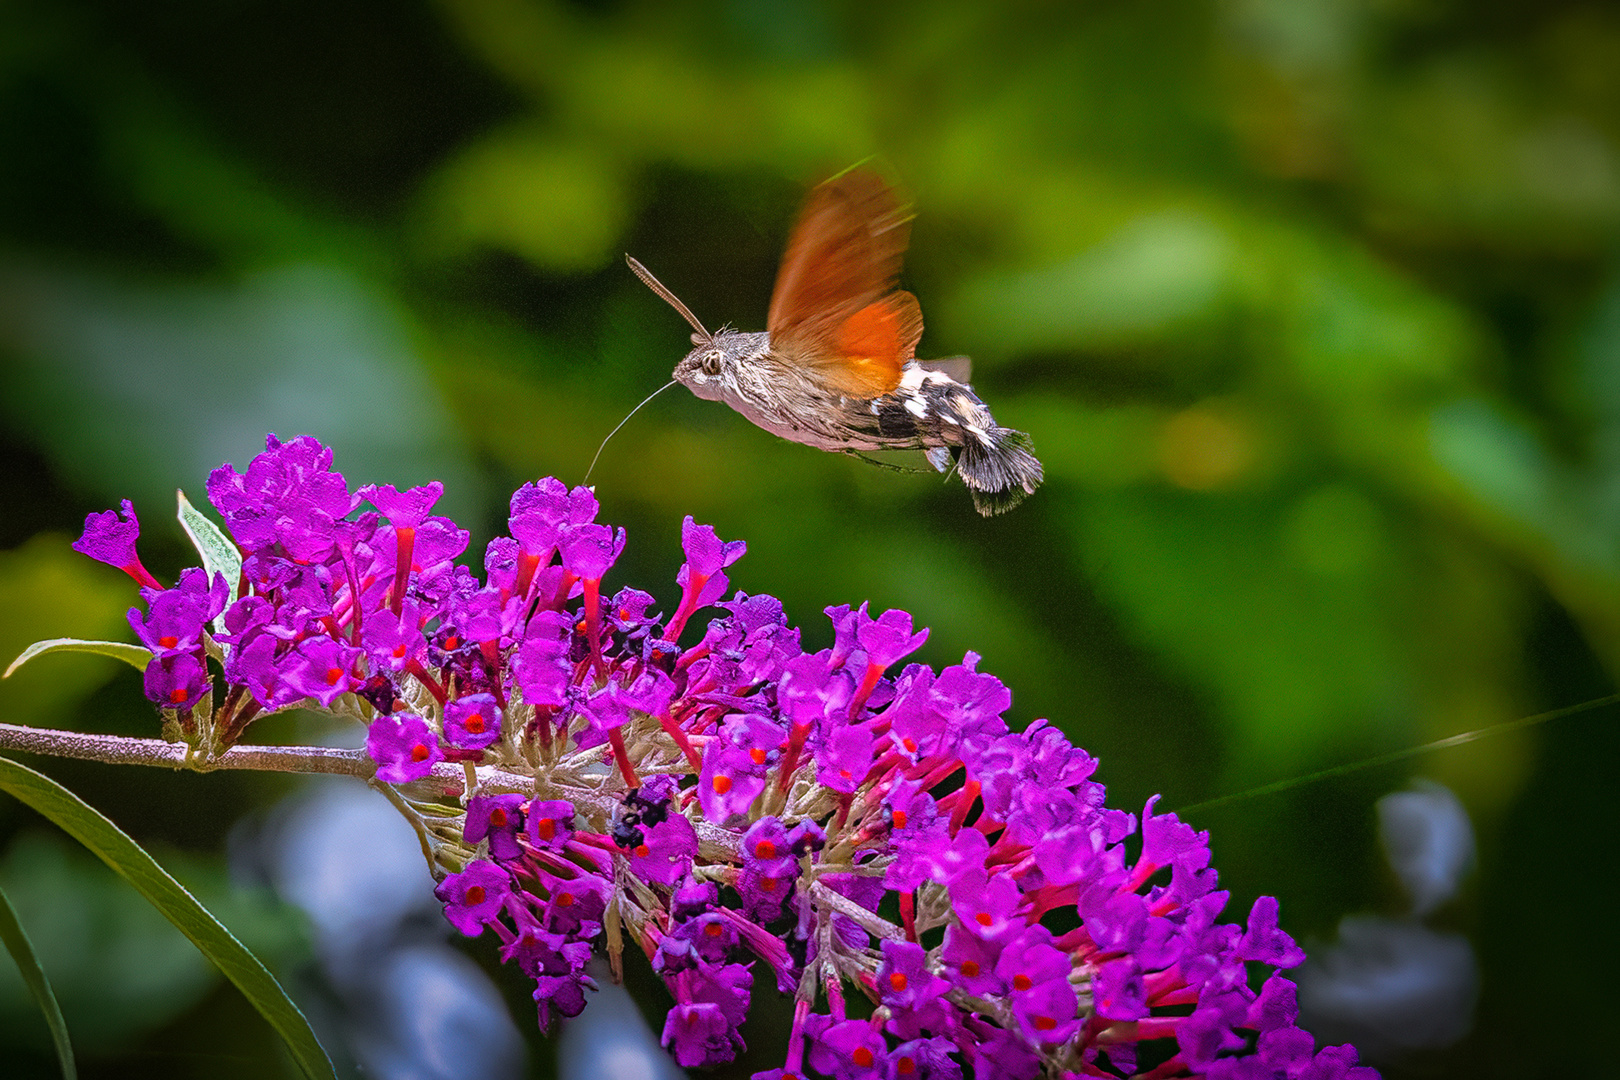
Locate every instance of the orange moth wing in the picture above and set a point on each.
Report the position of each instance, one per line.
(834, 305)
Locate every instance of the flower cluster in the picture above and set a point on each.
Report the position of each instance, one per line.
(738, 809)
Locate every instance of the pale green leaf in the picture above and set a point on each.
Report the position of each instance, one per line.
(136, 656)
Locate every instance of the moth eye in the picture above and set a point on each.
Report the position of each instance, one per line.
(711, 361)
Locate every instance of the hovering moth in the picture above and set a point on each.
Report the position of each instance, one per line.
(836, 367)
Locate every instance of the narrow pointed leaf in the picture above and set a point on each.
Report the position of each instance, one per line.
(136, 656)
(114, 847)
(33, 973)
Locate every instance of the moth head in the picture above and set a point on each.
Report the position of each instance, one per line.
(706, 369)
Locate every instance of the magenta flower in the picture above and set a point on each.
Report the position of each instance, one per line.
(472, 722)
(551, 823)
(474, 896)
(404, 509)
(176, 682)
(699, 1035)
(321, 668)
(498, 819)
(888, 637)
(665, 854)
(404, 748)
(176, 617)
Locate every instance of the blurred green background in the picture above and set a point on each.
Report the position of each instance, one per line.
(1311, 306)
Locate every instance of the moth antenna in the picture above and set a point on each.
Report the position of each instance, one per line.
(669, 298)
(621, 424)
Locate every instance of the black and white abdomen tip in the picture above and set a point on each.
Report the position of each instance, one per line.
(997, 464)
(999, 470)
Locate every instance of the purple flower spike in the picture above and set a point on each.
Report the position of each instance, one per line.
(498, 817)
(848, 801)
(404, 748)
(109, 540)
(472, 721)
(474, 896)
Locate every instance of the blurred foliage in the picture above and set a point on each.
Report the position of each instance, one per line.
(118, 967)
(1312, 307)
(63, 596)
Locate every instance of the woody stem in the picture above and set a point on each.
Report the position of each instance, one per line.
(446, 777)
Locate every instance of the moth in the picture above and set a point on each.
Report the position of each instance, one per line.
(836, 366)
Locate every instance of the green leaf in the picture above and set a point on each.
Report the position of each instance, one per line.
(134, 865)
(136, 656)
(219, 555)
(33, 973)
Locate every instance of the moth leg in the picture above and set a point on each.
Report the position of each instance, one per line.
(885, 464)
